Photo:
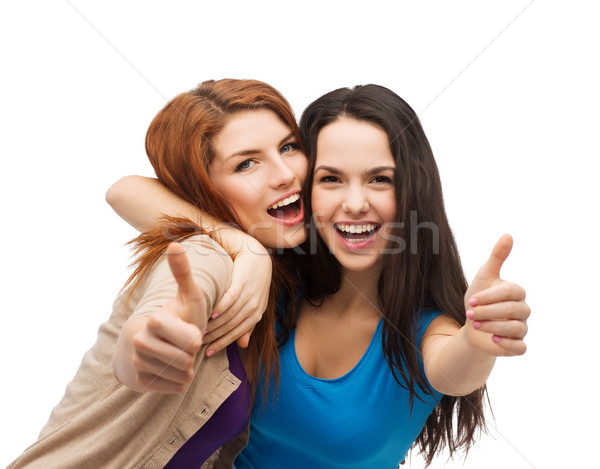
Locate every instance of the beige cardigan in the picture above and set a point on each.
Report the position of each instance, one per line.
(100, 423)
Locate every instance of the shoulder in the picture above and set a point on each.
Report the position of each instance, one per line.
(432, 324)
(204, 245)
(436, 331)
(209, 261)
(208, 256)
(203, 253)
(210, 264)
(439, 323)
(426, 320)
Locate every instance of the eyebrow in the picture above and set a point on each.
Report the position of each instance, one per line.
(375, 170)
(250, 152)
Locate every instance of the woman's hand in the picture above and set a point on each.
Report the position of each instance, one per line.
(244, 303)
(157, 352)
(496, 309)
(457, 360)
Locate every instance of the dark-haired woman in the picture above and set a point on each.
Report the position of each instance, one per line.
(389, 348)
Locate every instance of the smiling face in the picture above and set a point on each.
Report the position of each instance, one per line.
(259, 169)
(353, 197)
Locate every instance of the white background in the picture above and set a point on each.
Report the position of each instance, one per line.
(507, 93)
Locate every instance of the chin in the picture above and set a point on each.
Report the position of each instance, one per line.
(296, 236)
(284, 241)
(358, 265)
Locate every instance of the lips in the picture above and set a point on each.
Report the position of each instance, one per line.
(357, 235)
(287, 211)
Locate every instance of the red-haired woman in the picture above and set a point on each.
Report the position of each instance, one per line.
(231, 149)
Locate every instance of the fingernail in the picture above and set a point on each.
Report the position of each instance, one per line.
(473, 301)
(496, 339)
(214, 315)
(470, 313)
(210, 353)
(476, 324)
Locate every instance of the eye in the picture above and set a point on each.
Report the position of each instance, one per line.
(382, 180)
(244, 165)
(329, 179)
(289, 147)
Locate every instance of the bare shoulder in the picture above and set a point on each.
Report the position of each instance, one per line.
(438, 332)
(443, 324)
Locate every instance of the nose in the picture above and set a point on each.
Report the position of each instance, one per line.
(355, 201)
(281, 174)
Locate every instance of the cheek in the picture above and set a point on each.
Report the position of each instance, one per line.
(388, 206)
(299, 166)
(323, 208)
(393, 210)
(242, 198)
(250, 205)
(317, 199)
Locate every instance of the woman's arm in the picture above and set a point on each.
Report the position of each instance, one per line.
(457, 360)
(142, 201)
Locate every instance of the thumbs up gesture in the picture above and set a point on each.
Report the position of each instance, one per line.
(496, 309)
(157, 352)
(190, 300)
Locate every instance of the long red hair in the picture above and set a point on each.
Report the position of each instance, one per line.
(179, 144)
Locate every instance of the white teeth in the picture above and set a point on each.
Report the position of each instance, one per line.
(288, 200)
(357, 229)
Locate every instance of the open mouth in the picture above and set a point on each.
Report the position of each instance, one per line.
(356, 233)
(287, 209)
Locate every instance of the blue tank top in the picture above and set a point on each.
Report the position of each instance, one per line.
(359, 420)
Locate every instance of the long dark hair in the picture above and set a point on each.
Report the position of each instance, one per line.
(424, 272)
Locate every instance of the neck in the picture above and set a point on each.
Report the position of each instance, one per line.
(357, 293)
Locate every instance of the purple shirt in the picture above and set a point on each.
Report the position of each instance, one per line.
(230, 419)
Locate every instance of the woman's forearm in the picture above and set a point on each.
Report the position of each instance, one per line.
(142, 201)
(455, 367)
